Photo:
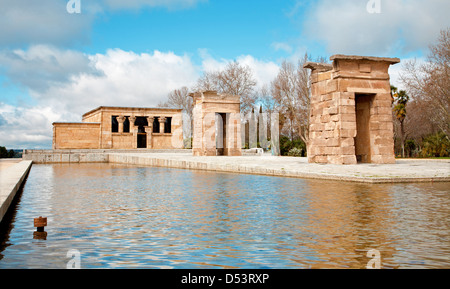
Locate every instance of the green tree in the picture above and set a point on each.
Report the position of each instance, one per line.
(11, 154)
(401, 99)
(3, 152)
(410, 146)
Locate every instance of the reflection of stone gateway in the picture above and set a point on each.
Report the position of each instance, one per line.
(351, 114)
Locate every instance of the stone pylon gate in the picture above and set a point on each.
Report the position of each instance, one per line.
(351, 111)
(217, 124)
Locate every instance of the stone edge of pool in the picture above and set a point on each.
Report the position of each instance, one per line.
(181, 159)
(11, 180)
(248, 169)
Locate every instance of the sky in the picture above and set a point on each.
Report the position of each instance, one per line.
(62, 58)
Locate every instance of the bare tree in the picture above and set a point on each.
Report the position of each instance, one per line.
(179, 98)
(266, 100)
(429, 83)
(291, 91)
(235, 79)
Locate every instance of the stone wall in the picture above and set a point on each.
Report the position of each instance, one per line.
(76, 135)
(87, 155)
(122, 141)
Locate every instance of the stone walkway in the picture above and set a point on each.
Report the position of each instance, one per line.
(6, 163)
(12, 175)
(403, 171)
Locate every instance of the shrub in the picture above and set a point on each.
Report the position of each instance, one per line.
(295, 152)
(286, 145)
(437, 145)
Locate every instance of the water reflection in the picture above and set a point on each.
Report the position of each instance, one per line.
(125, 217)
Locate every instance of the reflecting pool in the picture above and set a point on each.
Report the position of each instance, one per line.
(141, 217)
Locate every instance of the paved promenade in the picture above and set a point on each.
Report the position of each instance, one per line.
(402, 171)
(12, 174)
(405, 170)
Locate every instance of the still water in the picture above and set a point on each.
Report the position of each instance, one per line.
(132, 217)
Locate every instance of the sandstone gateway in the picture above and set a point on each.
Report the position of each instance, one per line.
(350, 119)
(351, 111)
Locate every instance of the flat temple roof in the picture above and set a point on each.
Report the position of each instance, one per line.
(370, 58)
(132, 108)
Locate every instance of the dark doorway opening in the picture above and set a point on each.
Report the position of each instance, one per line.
(363, 103)
(221, 134)
(168, 125)
(142, 140)
(156, 124)
(114, 124)
(126, 125)
(141, 123)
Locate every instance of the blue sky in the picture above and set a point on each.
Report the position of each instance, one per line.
(54, 66)
(243, 27)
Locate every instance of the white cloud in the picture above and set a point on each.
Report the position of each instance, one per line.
(263, 71)
(42, 66)
(401, 27)
(209, 63)
(27, 127)
(282, 46)
(395, 71)
(126, 79)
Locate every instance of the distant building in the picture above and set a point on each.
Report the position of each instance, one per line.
(122, 128)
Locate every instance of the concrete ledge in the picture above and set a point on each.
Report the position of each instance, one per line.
(401, 172)
(11, 179)
(252, 162)
(84, 155)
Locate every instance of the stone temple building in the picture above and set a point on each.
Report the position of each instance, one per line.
(122, 128)
(351, 111)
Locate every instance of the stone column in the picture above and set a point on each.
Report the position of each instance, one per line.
(132, 119)
(150, 120)
(133, 130)
(149, 131)
(162, 123)
(121, 120)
